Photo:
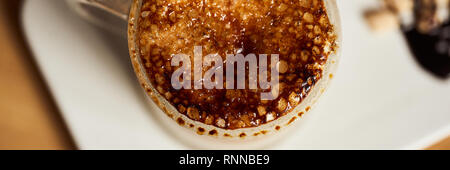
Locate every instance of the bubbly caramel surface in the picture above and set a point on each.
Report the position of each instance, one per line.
(298, 30)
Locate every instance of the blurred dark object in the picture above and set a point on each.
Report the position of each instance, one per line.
(432, 50)
(429, 40)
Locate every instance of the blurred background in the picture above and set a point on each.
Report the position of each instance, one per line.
(29, 117)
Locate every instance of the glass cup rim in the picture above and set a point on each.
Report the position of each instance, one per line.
(243, 134)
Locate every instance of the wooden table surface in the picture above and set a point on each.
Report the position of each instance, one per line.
(29, 118)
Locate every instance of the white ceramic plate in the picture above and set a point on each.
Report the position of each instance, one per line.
(379, 99)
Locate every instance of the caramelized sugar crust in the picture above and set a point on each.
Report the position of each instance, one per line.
(298, 30)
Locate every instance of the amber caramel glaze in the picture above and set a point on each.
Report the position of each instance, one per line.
(298, 30)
